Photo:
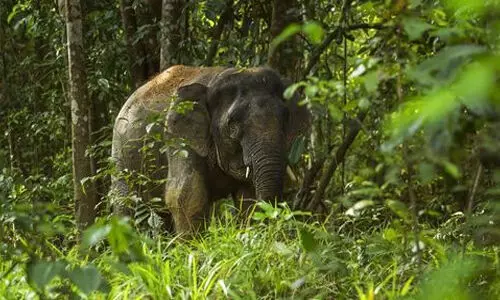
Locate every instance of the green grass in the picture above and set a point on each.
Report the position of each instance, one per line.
(275, 257)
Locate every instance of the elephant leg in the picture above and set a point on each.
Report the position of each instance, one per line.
(133, 165)
(186, 193)
(125, 157)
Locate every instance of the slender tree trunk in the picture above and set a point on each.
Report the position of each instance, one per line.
(286, 57)
(84, 194)
(171, 30)
(5, 95)
(152, 19)
(137, 54)
(225, 18)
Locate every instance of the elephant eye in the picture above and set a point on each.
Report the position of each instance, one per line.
(234, 129)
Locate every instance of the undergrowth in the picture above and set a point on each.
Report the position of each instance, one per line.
(278, 254)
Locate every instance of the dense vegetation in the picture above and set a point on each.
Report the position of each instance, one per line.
(397, 186)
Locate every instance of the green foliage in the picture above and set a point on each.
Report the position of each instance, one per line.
(276, 256)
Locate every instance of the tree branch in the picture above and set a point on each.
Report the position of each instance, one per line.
(354, 129)
(336, 35)
(378, 26)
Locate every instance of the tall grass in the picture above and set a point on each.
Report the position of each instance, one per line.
(280, 257)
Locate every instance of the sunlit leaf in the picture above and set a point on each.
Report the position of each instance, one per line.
(441, 67)
(407, 286)
(371, 81)
(470, 8)
(400, 209)
(311, 90)
(355, 210)
(451, 169)
(287, 33)
(94, 234)
(364, 103)
(360, 70)
(390, 234)
(290, 91)
(314, 32)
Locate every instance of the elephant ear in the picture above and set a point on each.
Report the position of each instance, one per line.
(299, 118)
(188, 118)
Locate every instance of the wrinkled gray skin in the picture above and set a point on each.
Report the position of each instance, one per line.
(240, 123)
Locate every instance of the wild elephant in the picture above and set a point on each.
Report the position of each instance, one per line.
(236, 136)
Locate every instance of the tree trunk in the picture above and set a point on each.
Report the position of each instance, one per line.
(286, 57)
(171, 36)
(4, 95)
(137, 54)
(225, 18)
(84, 194)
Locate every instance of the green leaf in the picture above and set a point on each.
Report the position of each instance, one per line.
(371, 81)
(390, 234)
(364, 103)
(451, 169)
(407, 286)
(451, 280)
(400, 209)
(416, 113)
(288, 93)
(289, 31)
(358, 207)
(16, 10)
(311, 90)
(469, 8)
(415, 27)
(363, 204)
(335, 112)
(441, 67)
(296, 150)
(87, 279)
(307, 240)
(41, 273)
(426, 172)
(94, 234)
(314, 32)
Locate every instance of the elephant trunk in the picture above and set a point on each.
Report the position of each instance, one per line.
(268, 166)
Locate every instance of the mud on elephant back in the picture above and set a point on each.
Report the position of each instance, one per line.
(234, 128)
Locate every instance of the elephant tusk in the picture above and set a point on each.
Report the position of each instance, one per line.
(247, 172)
(290, 173)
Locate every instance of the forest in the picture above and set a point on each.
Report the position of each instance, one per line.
(387, 147)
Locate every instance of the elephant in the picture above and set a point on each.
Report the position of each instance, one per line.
(235, 135)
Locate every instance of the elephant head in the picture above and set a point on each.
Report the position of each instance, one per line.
(242, 118)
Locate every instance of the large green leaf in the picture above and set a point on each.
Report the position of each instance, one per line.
(87, 279)
(298, 147)
(94, 234)
(314, 32)
(287, 33)
(40, 273)
(400, 209)
(308, 241)
(415, 27)
(442, 67)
